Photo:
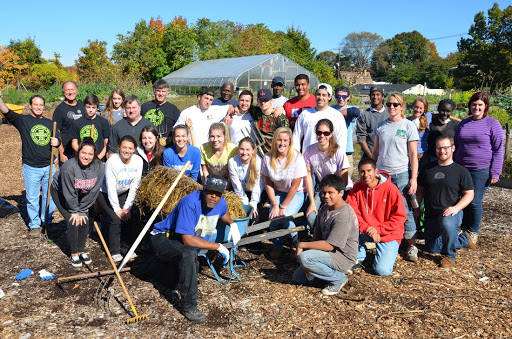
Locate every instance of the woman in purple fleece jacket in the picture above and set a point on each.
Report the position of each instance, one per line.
(479, 148)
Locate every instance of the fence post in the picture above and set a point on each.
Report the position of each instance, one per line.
(507, 139)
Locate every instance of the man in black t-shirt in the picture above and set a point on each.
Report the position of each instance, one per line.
(36, 154)
(161, 113)
(447, 189)
(68, 111)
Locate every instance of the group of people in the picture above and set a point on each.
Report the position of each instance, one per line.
(293, 154)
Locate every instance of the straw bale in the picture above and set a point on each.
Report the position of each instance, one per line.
(155, 185)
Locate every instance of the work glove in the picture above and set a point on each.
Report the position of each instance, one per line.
(45, 275)
(224, 252)
(234, 233)
(24, 274)
(2, 294)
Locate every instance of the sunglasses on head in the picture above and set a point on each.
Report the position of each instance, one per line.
(394, 104)
(342, 96)
(325, 133)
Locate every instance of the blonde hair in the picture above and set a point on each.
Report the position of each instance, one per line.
(221, 126)
(400, 100)
(273, 149)
(423, 118)
(252, 172)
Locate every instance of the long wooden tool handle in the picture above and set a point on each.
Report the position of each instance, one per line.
(153, 217)
(115, 268)
(48, 196)
(92, 131)
(192, 137)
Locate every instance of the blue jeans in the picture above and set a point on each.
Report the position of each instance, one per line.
(293, 207)
(442, 235)
(401, 180)
(474, 211)
(384, 258)
(312, 217)
(36, 179)
(319, 264)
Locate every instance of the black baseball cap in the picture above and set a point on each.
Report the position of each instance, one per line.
(216, 183)
(377, 89)
(264, 94)
(206, 90)
(277, 80)
(342, 89)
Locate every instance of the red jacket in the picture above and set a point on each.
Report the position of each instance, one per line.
(381, 207)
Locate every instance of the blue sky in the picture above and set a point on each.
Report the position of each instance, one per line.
(63, 27)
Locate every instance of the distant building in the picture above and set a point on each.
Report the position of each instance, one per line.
(356, 78)
(415, 89)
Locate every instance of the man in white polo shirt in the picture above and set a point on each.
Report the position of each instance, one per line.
(305, 124)
(200, 117)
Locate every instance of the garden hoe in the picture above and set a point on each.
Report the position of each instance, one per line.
(44, 231)
(137, 317)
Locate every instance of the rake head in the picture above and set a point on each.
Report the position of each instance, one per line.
(137, 319)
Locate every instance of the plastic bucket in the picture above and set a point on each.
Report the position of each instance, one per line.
(223, 229)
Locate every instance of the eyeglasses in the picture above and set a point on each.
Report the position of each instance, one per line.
(341, 96)
(394, 104)
(325, 133)
(445, 148)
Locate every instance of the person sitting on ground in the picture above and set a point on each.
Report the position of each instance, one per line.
(216, 153)
(75, 188)
(82, 127)
(245, 175)
(284, 171)
(323, 158)
(333, 250)
(149, 149)
(190, 226)
(122, 177)
(226, 96)
(199, 117)
(267, 118)
(177, 155)
(447, 188)
(36, 154)
(114, 108)
(380, 211)
(161, 112)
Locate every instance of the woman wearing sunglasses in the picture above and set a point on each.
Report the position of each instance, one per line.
(396, 145)
(323, 158)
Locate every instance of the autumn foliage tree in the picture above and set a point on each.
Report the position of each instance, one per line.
(11, 67)
(93, 63)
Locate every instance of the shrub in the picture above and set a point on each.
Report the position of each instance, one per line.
(499, 114)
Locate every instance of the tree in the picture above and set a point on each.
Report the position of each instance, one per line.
(11, 67)
(329, 57)
(297, 46)
(27, 51)
(56, 59)
(359, 48)
(213, 38)
(179, 43)
(93, 63)
(485, 58)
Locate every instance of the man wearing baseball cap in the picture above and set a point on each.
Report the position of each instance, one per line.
(188, 228)
(278, 99)
(369, 119)
(266, 120)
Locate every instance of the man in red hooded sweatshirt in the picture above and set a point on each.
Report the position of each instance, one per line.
(381, 214)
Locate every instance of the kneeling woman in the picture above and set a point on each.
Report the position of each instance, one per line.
(122, 177)
(284, 171)
(245, 175)
(74, 190)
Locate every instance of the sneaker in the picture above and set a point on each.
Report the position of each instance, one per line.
(333, 289)
(275, 252)
(75, 261)
(117, 257)
(473, 238)
(133, 256)
(35, 232)
(355, 269)
(195, 316)
(85, 258)
(446, 262)
(412, 254)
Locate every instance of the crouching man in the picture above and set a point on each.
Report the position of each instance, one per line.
(333, 250)
(447, 189)
(176, 240)
(380, 210)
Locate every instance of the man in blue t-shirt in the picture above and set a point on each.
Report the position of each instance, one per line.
(189, 227)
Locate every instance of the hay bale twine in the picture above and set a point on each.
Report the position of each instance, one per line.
(155, 185)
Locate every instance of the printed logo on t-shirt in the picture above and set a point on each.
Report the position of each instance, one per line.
(40, 135)
(296, 112)
(206, 226)
(439, 175)
(155, 116)
(74, 115)
(401, 133)
(86, 132)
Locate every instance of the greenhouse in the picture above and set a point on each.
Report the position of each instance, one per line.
(251, 72)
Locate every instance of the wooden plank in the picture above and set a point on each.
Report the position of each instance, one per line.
(265, 236)
(277, 221)
(90, 275)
